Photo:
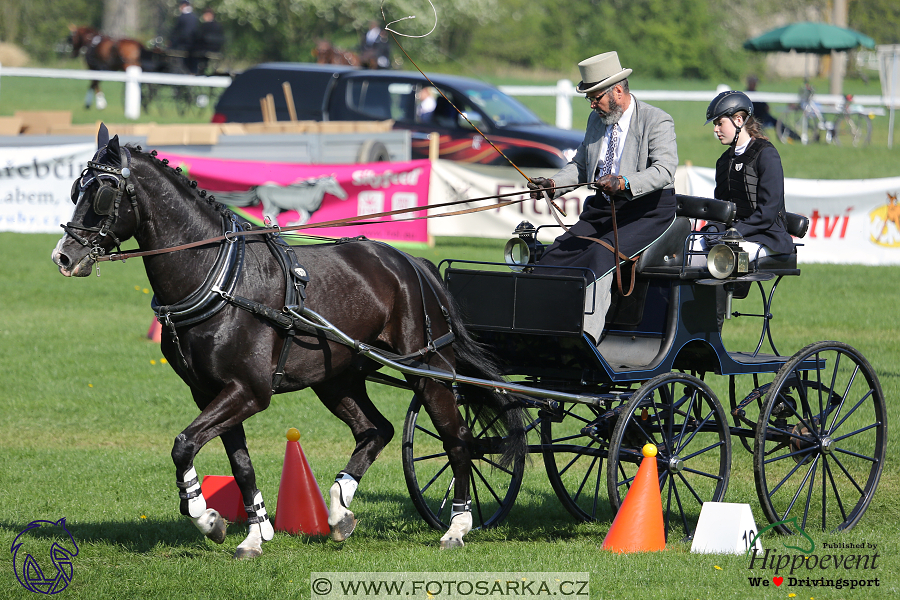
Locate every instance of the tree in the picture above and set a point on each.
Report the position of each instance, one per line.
(121, 18)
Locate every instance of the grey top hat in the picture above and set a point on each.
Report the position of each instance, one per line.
(600, 71)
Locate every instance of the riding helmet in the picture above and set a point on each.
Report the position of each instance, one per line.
(728, 103)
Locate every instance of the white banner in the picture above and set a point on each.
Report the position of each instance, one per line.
(36, 183)
(850, 220)
(452, 181)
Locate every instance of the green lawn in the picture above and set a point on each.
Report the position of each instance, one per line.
(88, 415)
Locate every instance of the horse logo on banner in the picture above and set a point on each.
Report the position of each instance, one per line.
(304, 196)
(37, 576)
(886, 220)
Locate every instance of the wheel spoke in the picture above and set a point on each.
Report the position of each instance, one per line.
(577, 457)
(433, 479)
(477, 471)
(852, 433)
(428, 432)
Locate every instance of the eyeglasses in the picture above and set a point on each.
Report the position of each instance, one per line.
(596, 99)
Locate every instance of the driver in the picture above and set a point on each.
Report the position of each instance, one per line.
(629, 155)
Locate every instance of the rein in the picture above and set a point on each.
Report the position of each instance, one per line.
(230, 236)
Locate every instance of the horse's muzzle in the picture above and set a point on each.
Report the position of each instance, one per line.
(81, 268)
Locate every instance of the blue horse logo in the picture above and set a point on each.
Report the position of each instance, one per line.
(28, 570)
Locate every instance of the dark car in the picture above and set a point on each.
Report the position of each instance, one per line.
(335, 93)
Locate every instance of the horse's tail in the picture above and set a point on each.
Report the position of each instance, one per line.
(500, 414)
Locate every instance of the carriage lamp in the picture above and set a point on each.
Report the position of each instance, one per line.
(523, 249)
(726, 259)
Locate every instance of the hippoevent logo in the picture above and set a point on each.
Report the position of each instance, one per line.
(42, 556)
(884, 226)
(806, 568)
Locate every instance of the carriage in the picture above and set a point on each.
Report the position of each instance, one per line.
(815, 422)
(331, 316)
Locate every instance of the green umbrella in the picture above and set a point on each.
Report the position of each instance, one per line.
(817, 38)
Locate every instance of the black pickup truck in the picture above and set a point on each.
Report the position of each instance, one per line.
(336, 93)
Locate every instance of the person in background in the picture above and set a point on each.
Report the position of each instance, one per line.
(210, 39)
(376, 48)
(760, 109)
(426, 105)
(629, 156)
(184, 34)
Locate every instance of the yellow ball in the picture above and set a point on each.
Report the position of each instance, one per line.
(649, 450)
(293, 434)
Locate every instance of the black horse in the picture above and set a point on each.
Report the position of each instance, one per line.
(229, 311)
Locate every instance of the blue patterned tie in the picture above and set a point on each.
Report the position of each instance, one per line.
(610, 159)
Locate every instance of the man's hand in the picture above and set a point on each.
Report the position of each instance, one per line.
(538, 184)
(609, 184)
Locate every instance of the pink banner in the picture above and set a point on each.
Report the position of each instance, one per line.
(296, 194)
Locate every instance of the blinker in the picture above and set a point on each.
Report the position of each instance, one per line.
(104, 200)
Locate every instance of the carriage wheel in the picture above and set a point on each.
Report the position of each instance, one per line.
(821, 439)
(681, 416)
(575, 441)
(430, 480)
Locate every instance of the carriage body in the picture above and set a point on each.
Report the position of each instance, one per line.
(645, 382)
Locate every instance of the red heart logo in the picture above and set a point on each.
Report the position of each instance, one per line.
(777, 580)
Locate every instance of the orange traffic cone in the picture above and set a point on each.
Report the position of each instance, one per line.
(155, 331)
(638, 526)
(301, 506)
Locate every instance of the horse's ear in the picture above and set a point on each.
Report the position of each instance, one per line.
(112, 150)
(102, 136)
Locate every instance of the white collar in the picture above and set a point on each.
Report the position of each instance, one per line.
(738, 150)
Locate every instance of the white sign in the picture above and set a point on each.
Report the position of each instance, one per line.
(36, 184)
(850, 221)
(725, 528)
(853, 221)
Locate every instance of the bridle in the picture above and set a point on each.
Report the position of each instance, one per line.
(105, 202)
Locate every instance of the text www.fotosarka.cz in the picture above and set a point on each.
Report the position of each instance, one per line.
(448, 586)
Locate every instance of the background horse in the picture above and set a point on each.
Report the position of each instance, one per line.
(326, 53)
(102, 53)
(304, 196)
(372, 292)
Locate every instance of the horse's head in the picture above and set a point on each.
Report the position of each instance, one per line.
(105, 209)
(81, 37)
(331, 186)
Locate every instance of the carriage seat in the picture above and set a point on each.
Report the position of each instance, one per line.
(786, 264)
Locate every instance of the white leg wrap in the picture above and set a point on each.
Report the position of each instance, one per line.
(100, 101)
(348, 487)
(460, 525)
(259, 518)
(338, 510)
(191, 485)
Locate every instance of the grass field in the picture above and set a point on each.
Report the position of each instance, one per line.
(88, 414)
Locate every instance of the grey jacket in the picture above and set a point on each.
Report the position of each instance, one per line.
(648, 159)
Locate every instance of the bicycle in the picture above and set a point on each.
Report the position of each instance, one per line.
(806, 121)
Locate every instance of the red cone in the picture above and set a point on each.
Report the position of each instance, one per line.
(301, 506)
(638, 526)
(155, 331)
(223, 494)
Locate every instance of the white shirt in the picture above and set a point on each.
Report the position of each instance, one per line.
(622, 132)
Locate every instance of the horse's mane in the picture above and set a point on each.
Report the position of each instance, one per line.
(174, 175)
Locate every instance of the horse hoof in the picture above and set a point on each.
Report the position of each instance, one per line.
(218, 531)
(453, 542)
(344, 528)
(246, 553)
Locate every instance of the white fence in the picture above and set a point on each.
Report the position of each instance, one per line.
(564, 90)
(133, 78)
